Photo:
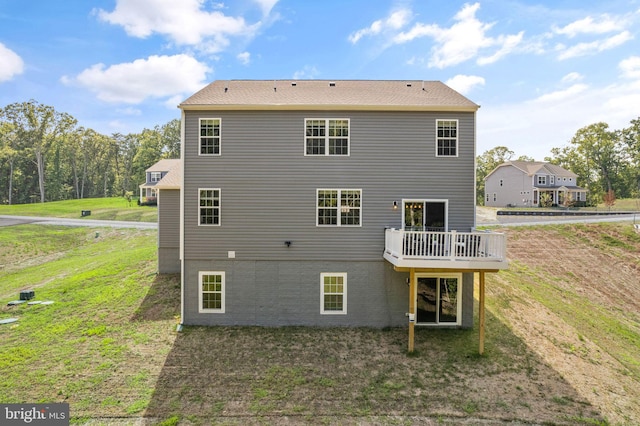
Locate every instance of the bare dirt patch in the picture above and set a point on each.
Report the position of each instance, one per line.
(593, 265)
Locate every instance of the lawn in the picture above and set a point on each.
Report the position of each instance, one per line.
(116, 208)
(108, 346)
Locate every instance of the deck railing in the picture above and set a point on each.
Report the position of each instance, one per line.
(452, 245)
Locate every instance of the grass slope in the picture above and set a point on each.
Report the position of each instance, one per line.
(101, 208)
(108, 345)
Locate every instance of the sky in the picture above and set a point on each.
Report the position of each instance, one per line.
(540, 70)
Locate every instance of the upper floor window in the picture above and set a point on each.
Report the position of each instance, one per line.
(447, 138)
(339, 207)
(209, 208)
(552, 180)
(542, 180)
(326, 136)
(209, 136)
(155, 176)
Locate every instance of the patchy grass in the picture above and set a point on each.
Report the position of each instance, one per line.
(108, 345)
(116, 208)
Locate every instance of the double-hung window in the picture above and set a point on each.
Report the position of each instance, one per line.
(209, 208)
(446, 138)
(339, 207)
(326, 136)
(333, 286)
(542, 180)
(155, 176)
(209, 136)
(211, 294)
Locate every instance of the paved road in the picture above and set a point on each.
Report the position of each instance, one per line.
(18, 220)
(484, 219)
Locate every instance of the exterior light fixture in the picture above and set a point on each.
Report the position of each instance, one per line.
(395, 205)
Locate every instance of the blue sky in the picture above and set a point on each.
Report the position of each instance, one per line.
(539, 69)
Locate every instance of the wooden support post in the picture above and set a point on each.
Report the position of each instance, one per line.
(412, 307)
(481, 312)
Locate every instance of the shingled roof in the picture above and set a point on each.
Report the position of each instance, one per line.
(325, 94)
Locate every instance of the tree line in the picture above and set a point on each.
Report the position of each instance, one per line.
(46, 156)
(607, 161)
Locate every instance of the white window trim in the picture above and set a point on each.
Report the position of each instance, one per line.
(541, 180)
(339, 224)
(460, 293)
(344, 293)
(219, 207)
(199, 136)
(457, 137)
(326, 138)
(155, 176)
(224, 286)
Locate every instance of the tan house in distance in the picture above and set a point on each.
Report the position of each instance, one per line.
(521, 183)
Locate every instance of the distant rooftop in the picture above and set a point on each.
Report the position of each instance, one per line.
(329, 94)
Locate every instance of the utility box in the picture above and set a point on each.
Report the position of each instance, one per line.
(27, 295)
(84, 213)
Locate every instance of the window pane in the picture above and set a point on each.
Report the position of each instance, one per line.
(448, 299)
(209, 207)
(209, 136)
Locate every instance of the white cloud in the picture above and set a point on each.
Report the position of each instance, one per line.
(604, 24)
(185, 22)
(129, 111)
(630, 67)
(572, 77)
(266, 5)
(465, 83)
(12, 64)
(154, 77)
(508, 43)
(396, 20)
(560, 95)
(244, 58)
(307, 72)
(550, 121)
(583, 49)
(464, 40)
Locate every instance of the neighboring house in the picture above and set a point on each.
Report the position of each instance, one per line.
(154, 174)
(521, 183)
(329, 203)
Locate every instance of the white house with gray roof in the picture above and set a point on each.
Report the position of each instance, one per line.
(330, 203)
(521, 184)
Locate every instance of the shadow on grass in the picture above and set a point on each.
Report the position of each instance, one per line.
(248, 375)
(162, 301)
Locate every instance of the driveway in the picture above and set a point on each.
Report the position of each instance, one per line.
(19, 220)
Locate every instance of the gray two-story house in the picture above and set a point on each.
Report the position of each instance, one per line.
(523, 183)
(330, 203)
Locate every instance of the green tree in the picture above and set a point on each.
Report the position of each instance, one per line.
(596, 155)
(9, 152)
(38, 127)
(631, 141)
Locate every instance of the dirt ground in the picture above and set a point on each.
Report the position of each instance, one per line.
(603, 269)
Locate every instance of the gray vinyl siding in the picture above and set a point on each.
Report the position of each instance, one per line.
(168, 231)
(268, 187)
(516, 187)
